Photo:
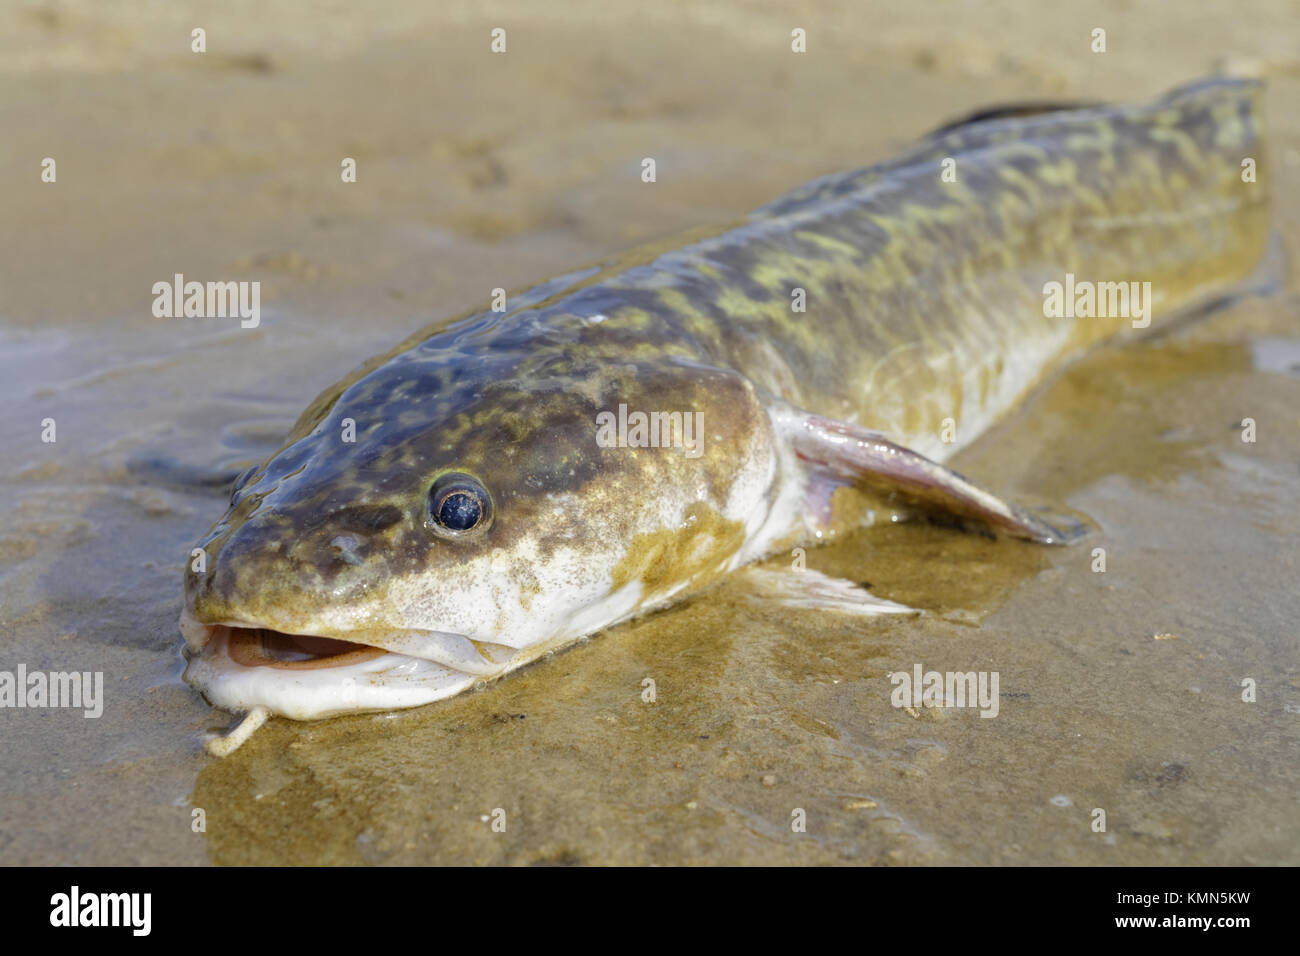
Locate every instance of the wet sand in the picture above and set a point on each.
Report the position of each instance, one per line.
(477, 171)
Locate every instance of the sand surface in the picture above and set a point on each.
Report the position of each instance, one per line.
(477, 171)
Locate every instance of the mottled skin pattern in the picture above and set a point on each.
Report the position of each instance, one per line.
(924, 301)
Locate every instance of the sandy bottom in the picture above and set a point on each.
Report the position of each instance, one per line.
(1120, 690)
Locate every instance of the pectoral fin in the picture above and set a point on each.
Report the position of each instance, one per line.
(808, 589)
(841, 452)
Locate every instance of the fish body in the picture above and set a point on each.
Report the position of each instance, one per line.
(620, 438)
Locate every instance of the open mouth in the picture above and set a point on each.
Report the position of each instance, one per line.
(240, 666)
(263, 647)
(255, 645)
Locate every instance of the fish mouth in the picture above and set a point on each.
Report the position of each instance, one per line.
(242, 665)
(263, 647)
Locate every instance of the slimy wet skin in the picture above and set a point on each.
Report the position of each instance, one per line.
(446, 513)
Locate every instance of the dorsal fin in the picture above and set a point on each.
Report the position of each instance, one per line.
(1010, 111)
(970, 132)
(991, 126)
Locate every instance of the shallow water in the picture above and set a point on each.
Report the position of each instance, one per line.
(1119, 690)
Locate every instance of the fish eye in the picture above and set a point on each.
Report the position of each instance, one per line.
(458, 504)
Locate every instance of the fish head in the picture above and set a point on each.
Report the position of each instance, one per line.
(442, 519)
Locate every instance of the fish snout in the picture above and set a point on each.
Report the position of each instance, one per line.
(349, 537)
(273, 560)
